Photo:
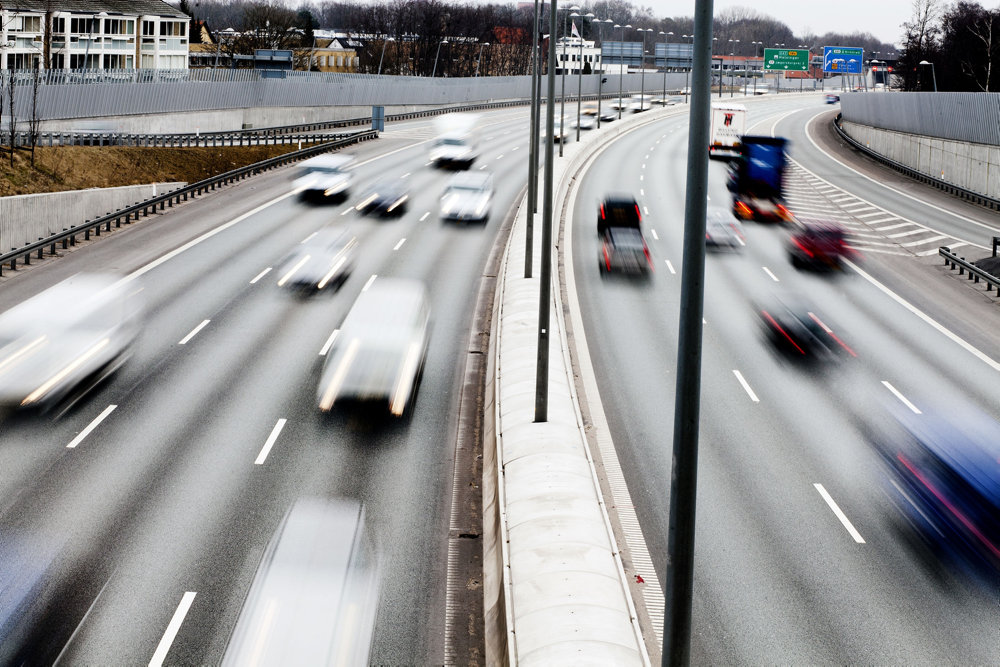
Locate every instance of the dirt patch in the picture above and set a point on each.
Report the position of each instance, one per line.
(60, 168)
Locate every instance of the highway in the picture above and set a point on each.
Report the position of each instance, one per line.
(800, 556)
(172, 493)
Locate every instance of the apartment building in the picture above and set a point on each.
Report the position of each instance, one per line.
(93, 34)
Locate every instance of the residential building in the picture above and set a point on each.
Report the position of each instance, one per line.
(572, 53)
(93, 34)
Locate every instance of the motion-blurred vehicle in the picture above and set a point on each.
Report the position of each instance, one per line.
(723, 231)
(757, 179)
(586, 122)
(624, 250)
(388, 196)
(818, 245)
(943, 470)
(378, 356)
(560, 130)
(323, 260)
(832, 99)
(468, 197)
(794, 326)
(729, 123)
(325, 178)
(618, 210)
(456, 145)
(314, 597)
(59, 344)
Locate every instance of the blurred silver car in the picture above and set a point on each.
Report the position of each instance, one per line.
(314, 598)
(467, 197)
(324, 259)
(723, 231)
(378, 356)
(325, 177)
(58, 344)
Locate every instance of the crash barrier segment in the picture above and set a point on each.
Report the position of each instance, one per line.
(67, 237)
(950, 188)
(975, 273)
(555, 589)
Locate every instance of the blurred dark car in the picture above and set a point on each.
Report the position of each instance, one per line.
(819, 246)
(624, 250)
(723, 231)
(793, 325)
(618, 210)
(944, 476)
(324, 260)
(386, 197)
(832, 99)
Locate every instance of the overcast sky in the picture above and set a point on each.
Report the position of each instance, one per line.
(882, 19)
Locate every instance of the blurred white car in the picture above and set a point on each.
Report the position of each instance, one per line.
(323, 260)
(468, 197)
(587, 122)
(60, 343)
(325, 177)
(314, 598)
(723, 231)
(378, 355)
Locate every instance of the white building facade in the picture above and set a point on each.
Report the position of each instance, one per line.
(573, 53)
(93, 34)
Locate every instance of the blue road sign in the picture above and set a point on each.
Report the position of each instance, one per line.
(842, 59)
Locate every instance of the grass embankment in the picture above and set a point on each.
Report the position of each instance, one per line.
(60, 168)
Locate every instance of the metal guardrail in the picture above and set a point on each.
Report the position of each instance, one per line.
(974, 272)
(950, 188)
(67, 237)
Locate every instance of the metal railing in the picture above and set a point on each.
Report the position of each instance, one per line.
(950, 188)
(67, 237)
(975, 274)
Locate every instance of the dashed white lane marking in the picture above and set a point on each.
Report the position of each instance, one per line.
(483, 167)
(656, 237)
(347, 210)
(499, 156)
(271, 439)
(308, 238)
(840, 514)
(369, 283)
(515, 148)
(640, 177)
(194, 332)
(768, 272)
(642, 192)
(172, 628)
(746, 386)
(645, 210)
(91, 426)
(399, 245)
(406, 175)
(424, 216)
(670, 267)
(329, 342)
(260, 275)
(898, 394)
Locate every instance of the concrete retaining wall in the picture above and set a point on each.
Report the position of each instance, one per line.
(26, 218)
(975, 167)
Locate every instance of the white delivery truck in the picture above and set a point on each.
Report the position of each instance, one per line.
(456, 145)
(729, 123)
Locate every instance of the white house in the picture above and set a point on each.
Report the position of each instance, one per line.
(573, 53)
(93, 34)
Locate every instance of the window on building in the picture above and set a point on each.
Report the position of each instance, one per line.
(173, 29)
(59, 24)
(148, 28)
(25, 24)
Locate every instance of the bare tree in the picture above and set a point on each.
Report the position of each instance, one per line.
(920, 40)
(35, 121)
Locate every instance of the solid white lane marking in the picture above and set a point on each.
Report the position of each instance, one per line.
(656, 237)
(897, 226)
(670, 266)
(768, 272)
(308, 238)
(260, 275)
(194, 332)
(172, 628)
(329, 342)
(933, 239)
(840, 515)
(270, 442)
(369, 283)
(399, 245)
(898, 394)
(91, 426)
(746, 386)
(874, 215)
(424, 216)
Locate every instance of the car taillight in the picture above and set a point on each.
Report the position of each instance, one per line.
(637, 213)
(649, 259)
(607, 257)
(784, 212)
(774, 323)
(802, 247)
(743, 210)
(602, 212)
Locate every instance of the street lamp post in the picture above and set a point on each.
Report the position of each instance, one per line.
(382, 57)
(732, 62)
(443, 42)
(565, 61)
(621, 74)
(687, 72)
(93, 21)
(579, 75)
(600, 81)
(933, 74)
(480, 58)
(642, 66)
(666, 42)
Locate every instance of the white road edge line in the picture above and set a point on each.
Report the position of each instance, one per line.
(898, 394)
(746, 386)
(260, 275)
(194, 332)
(329, 342)
(175, 624)
(840, 515)
(270, 442)
(91, 426)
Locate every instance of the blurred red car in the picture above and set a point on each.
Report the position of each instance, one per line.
(819, 245)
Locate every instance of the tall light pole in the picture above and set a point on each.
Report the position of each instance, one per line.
(565, 61)
(687, 72)
(642, 66)
(382, 57)
(579, 74)
(933, 74)
(480, 58)
(761, 45)
(440, 44)
(666, 42)
(96, 20)
(621, 57)
(600, 81)
(732, 63)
